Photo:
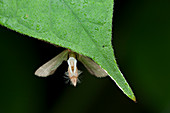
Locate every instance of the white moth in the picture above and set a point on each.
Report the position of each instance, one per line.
(73, 72)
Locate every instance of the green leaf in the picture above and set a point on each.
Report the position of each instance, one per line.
(84, 26)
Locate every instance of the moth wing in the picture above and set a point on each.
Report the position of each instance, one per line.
(92, 67)
(50, 67)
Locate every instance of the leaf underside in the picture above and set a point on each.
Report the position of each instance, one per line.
(84, 26)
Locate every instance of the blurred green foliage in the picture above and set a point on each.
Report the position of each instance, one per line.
(141, 38)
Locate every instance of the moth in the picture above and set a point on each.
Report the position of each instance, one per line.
(73, 73)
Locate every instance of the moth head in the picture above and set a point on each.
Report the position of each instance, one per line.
(74, 81)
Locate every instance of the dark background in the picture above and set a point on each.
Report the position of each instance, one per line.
(141, 40)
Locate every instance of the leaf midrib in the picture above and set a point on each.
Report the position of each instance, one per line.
(96, 45)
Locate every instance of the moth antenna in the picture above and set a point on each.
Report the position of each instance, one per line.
(66, 73)
(70, 82)
(66, 77)
(79, 72)
(67, 81)
(78, 80)
(79, 77)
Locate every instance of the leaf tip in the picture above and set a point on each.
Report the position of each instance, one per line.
(134, 99)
